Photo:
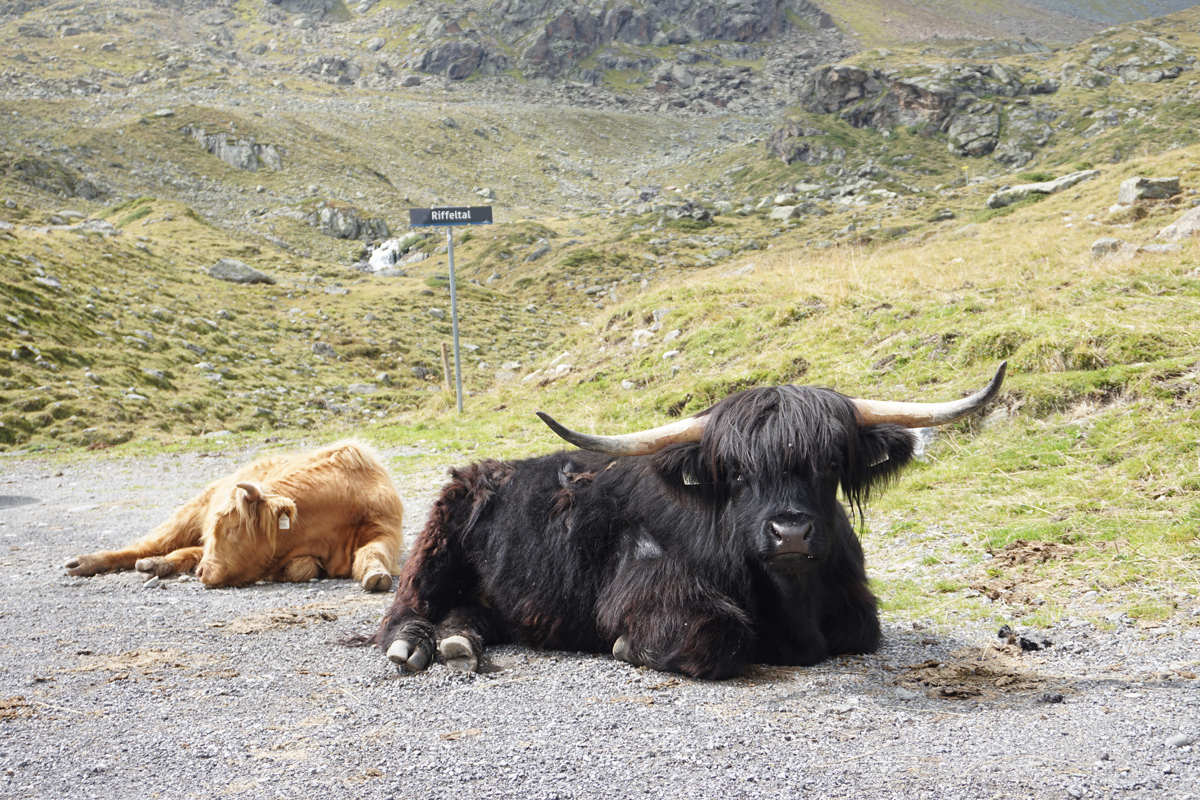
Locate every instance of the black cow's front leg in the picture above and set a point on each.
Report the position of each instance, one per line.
(851, 621)
(434, 581)
(668, 619)
(428, 588)
(410, 646)
(464, 633)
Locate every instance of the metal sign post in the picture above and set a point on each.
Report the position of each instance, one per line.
(471, 215)
(454, 318)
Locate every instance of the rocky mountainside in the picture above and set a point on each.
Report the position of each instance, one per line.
(622, 146)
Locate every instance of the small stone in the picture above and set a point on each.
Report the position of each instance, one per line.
(1051, 697)
(152, 583)
(1106, 246)
(538, 253)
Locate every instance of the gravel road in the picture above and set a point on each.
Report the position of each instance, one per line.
(109, 689)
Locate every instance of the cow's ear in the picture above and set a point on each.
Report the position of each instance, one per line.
(685, 472)
(283, 510)
(883, 450)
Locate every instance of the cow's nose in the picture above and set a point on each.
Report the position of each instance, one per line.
(792, 538)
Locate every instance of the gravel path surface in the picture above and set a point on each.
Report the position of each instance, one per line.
(111, 689)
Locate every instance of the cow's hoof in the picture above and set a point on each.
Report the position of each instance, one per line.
(405, 657)
(623, 651)
(379, 581)
(458, 654)
(82, 566)
(159, 567)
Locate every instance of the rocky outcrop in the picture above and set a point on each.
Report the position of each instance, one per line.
(552, 40)
(458, 59)
(1147, 59)
(243, 154)
(344, 222)
(795, 142)
(312, 9)
(49, 175)
(941, 98)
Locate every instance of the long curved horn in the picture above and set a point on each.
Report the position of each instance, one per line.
(632, 444)
(923, 415)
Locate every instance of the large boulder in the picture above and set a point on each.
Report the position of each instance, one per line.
(234, 271)
(1006, 197)
(974, 134)
(1185, 227)
(1135, 189)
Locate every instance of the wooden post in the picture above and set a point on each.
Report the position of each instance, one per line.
(446, 364)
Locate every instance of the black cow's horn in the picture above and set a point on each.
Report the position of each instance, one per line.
(632, 444)
(924, 415)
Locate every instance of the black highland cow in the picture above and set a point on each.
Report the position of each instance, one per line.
(694, 548)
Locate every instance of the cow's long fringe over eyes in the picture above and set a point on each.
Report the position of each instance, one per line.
(805, 432)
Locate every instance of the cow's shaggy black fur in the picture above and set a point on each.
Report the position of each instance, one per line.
(670, 556)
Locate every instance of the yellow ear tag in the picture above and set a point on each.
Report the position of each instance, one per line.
(285, 523)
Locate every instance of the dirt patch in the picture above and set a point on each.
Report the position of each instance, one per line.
(973, 672)
(14, 708)
(1021, 557)
(279, 618)
(1021, 553)
(145, 660)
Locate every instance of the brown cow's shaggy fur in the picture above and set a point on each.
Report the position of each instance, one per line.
(331, 512)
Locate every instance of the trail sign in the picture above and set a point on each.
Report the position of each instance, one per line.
(455, 215)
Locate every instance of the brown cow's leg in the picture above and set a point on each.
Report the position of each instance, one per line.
(371, 566)
(182, 560)
(301, 569)
(375, 562)
(182, 530)
(101, 561)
